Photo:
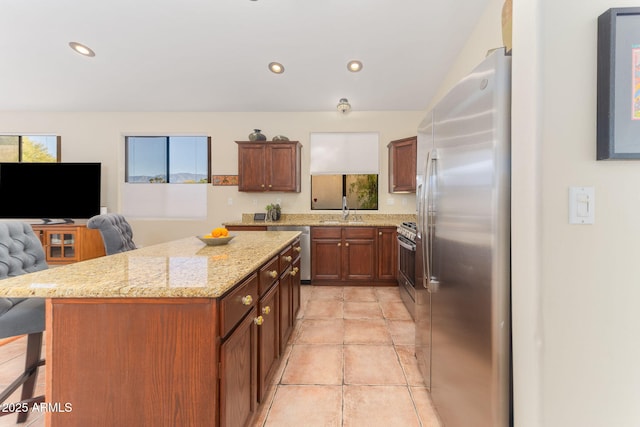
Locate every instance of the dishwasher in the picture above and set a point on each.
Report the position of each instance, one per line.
(305, 244)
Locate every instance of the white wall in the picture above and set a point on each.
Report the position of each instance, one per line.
(581, 322)
(100, 137)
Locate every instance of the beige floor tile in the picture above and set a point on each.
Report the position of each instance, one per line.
(314, 364)
(395, 310)
(372, 365)
(366, 331)
(424, 406)
(327, 292)
(388, 293)
(320, 331)
(282, 364)
(407, 356)
(362, 310)
(376, 406)
(359, 293)
(403, 332)
(319, 309)
(307, 406)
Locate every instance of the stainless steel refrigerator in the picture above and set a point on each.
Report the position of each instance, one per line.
(463, 318)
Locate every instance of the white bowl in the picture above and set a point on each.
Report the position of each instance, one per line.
(216, 241)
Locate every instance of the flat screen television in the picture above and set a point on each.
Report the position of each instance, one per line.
(49, 191)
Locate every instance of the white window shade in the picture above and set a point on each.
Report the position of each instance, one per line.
(335, 153)
(164, 200)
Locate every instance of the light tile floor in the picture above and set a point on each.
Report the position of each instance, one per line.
(350, 362)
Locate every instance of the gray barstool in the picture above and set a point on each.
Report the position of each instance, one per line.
(20, 253)
(116, 232)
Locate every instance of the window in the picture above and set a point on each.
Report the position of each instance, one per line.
(171, 161)
(168, 159)
(29, 148)
(344, 164)
(361, 191)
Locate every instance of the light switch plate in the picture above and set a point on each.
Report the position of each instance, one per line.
(582, 205)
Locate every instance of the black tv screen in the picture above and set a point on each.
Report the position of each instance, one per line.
(49, 190)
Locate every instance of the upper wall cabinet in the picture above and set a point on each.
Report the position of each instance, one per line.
(402, 165)
(269, 166)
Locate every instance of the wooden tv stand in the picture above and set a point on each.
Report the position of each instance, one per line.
(69, 243)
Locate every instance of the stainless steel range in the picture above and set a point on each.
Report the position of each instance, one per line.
(407, 264)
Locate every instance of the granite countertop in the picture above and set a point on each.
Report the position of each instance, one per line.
(185, 268)
(317, 220)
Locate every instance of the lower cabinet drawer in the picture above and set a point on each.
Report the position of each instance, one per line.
(268, 275)
(237, 303)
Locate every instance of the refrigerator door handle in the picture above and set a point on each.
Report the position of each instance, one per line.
(423, 232)
(432, 282)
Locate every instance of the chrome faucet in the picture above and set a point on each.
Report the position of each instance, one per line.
(345, 209)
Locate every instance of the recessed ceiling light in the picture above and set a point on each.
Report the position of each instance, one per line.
(354, 66)
(81, 49)
(276, 67)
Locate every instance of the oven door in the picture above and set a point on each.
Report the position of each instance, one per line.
(407, 272)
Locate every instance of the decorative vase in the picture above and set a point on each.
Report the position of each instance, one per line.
(279, 138)
(257, 136)
(275, 214)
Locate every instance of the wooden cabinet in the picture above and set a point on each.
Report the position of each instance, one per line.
(387, 253)
(69, 243)
(238, 374)
(269, 166)
(268, 338)
(352, 254)
(326, 254)
(297, 280)
(402, 165)
(359, 254)
(239, 353)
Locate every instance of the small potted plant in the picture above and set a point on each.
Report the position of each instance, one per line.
(273, 211)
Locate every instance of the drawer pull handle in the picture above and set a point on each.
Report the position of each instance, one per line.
(339, 244)
(297, 249)
(247, 300)
(293, 272)
(379, 233)
(258, 320)
(296, 269)
(273, 274)
(288, 258)
(346, 244)
(266, 310)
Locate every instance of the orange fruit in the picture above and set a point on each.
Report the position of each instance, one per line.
(219, 232)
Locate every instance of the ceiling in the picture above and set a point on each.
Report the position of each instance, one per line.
(212, 55)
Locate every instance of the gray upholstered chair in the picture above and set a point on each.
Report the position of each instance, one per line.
(116, 232)
(20, 253)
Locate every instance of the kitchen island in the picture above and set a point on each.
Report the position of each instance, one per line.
(165, 335)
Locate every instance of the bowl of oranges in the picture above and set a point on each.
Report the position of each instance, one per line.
(218, 236)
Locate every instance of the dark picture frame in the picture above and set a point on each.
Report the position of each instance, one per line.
(618, 105)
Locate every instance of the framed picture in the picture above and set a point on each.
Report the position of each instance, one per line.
(618, 109)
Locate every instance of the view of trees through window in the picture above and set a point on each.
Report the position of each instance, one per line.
(361, 191)
(167, 159)
(29, 148)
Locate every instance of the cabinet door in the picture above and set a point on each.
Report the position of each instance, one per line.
(295, 288)
(359, 260)
(60, 246)
(238, 374)
(282, 168)
(268, 339)
(387, 253)
(402, 165)
(286, 318)
(251, 167)
(326, 259)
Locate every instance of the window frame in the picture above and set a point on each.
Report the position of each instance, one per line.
(26, 135)
(168, 155)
